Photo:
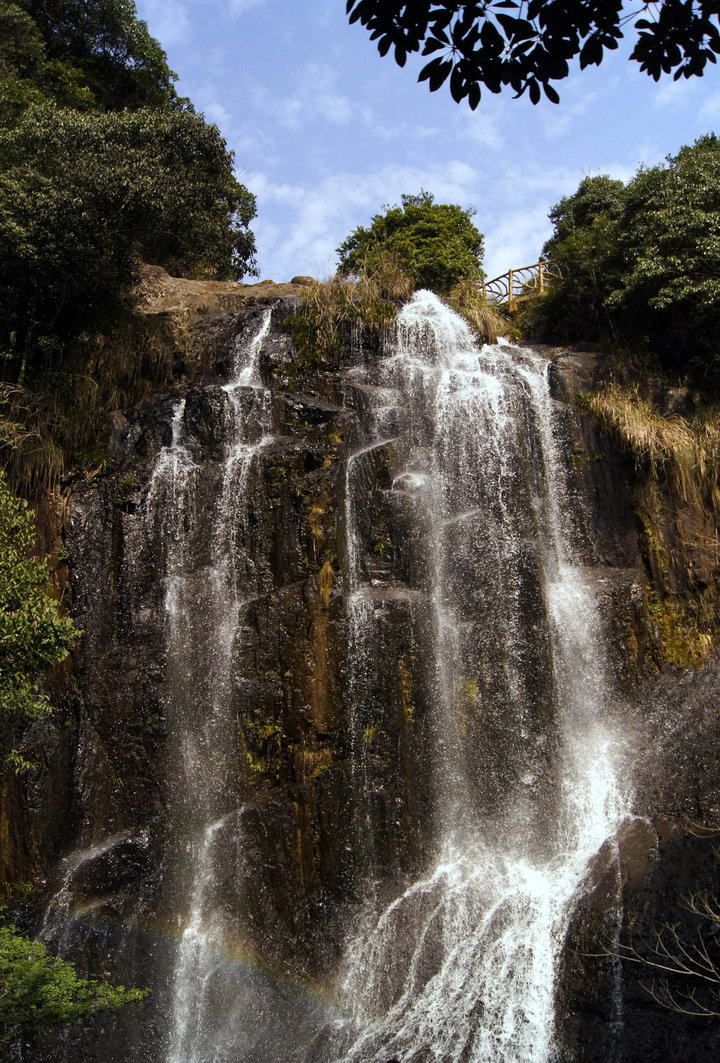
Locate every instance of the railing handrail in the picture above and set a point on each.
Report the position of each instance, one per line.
(518, 284)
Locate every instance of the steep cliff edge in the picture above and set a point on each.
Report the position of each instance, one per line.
(301, 817)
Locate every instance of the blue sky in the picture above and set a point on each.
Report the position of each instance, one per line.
(325, 131)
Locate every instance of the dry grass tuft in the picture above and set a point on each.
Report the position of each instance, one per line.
(677, 502)
(319, 328)
(466, 298)
(685, 451)
(59, 420)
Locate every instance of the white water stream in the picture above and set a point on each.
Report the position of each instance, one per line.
(526, 777)
(461, 966)
(202, 617)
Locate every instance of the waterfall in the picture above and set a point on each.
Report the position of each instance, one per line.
(203, 613)
(527, 770)
(383, 762)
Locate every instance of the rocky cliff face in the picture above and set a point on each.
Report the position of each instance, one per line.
(318, 765)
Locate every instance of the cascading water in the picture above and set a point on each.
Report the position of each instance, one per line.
(407, 743)
(526, 772)
(203, 623)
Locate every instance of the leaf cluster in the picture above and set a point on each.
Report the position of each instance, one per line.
(527, 44)
(436, 244)
(102, 167)
(33, 634)
(38, 990)
(85, 196)
(640, 263)
(94, 56)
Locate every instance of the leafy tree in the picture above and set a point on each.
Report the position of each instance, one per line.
(585, 247)
(84, 197)
(101, 166)
(38, 990)
(105, 47)
(33, 635)
(670, 243)
(527, 45)
(435, 243)
(26, 74)
(640, 263)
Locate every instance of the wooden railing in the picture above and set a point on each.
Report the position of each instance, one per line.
(518, 284)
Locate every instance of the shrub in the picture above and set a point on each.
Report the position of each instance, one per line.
(436, 244)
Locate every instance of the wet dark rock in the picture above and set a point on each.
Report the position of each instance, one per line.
(298, 836)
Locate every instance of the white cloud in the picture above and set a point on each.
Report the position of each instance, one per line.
(318, 218)
(216, 112)
(516, 239)
(710, 110)
(479, 128)
(239, 7)
(315, 98)
(675, 94)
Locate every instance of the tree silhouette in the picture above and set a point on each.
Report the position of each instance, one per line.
(527, 44)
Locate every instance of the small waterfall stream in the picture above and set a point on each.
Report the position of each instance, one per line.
(526, 771)
(203, 623)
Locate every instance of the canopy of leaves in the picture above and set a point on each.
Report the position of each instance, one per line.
(102, 166)
(84, 197)
(641, 263)
(585, 247)
(87, 53)
(437, 244)
(38, 990)
(33, 634)
(527, 44)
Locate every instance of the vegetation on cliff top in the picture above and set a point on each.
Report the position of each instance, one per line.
(640, 265)
(420, 244)
(436, 244)
(102, 166)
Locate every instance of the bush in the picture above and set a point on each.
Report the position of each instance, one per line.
(640, 264)
(41, 991)
(436, 244)
(33, 634)
(85, 196)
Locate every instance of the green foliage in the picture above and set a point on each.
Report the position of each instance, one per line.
(94, 54)
(83, 197)
(640, 264)
(33, 635)
(435, 243)
(27, 76)
(524, 47)
(102, 167)
(671, 248)
(585, 248)
(38, 990)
